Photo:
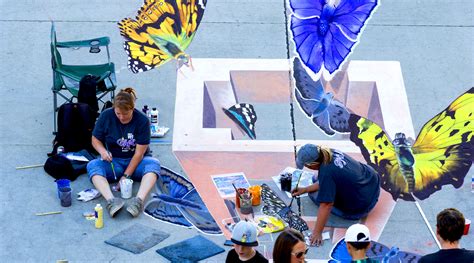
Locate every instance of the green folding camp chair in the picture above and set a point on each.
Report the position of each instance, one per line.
(66, 77)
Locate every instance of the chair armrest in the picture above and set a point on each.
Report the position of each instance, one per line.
(105, 75)
(67, 74)
(101, 41)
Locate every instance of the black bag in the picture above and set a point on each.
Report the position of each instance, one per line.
(88, 87)
(75, 124)
(107, 104)
(60, 167)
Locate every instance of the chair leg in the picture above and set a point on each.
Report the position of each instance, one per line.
(55, 105)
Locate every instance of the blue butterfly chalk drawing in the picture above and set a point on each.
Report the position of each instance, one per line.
(325, 31)
(377, 252)
(244, 115)
(325, 112)
(177, 202)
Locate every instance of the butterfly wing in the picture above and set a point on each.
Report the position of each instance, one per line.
(169, 187)
(245, 116)
(165, 212)
(377, 251)
(325, 112)
(307, 87)
(406, 257)
(338, 116)
(382, 253)
(197, 214)
(162, 30)
(379, 153)
(444, 149)
(274, 204)
(325, 34)
(339, 252)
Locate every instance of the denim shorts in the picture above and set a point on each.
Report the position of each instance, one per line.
(104, 168)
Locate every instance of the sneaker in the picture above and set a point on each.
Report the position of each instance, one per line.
(114, 205)
(135, 206)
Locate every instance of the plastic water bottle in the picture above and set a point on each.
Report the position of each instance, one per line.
(99, 216)
(154, 117)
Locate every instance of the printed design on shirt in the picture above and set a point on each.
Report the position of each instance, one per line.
(127, 144)
(338, 158)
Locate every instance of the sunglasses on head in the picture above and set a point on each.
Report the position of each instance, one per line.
(300, 254)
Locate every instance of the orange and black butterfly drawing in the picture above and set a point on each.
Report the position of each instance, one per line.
(162, 30)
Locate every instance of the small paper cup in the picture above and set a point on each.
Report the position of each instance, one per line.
(467, 225)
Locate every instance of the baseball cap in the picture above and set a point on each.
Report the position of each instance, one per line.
(244, 234)
(306, 154)
(357, 233)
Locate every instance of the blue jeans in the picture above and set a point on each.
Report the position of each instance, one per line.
(104, 168)
(335, 211)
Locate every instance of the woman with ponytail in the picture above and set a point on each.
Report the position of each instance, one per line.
(121, 136)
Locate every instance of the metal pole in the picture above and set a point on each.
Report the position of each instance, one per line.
(426, 221)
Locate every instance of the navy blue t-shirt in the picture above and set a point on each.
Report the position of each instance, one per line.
(349, 184)
(121, 139)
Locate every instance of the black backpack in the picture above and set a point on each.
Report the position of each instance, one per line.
(75, 124)
(88, 87)
(60, 167)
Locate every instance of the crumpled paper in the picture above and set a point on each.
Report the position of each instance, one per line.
(88, 194)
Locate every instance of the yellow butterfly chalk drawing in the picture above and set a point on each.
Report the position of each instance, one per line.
(442, 153)
(163, 29)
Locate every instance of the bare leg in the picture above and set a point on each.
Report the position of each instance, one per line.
(148, 181)
(102, 185)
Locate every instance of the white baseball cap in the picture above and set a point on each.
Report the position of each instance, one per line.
(357, 233)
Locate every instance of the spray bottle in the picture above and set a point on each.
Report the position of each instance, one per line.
(99, 216)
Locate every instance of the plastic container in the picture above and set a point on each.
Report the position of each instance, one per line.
(154, 118)
(63, 183)
(255, 190)
(246, 204)
(467, 225)
(126, 187)
(99, 216)
(285, 181)
(65, 196)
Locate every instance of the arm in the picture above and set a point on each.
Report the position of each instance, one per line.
(99, 147)
(136, 159)
(323, 215)
(309, 189)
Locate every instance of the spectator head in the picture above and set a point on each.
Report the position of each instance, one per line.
(450, 225)
(244, 237)
(289, 247)
(357, 237)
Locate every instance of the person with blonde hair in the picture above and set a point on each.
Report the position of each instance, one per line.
(121, 136)
(343, 187)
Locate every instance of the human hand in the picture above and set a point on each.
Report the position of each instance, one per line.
(106, 156)
(316, 239)
(298, 191)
